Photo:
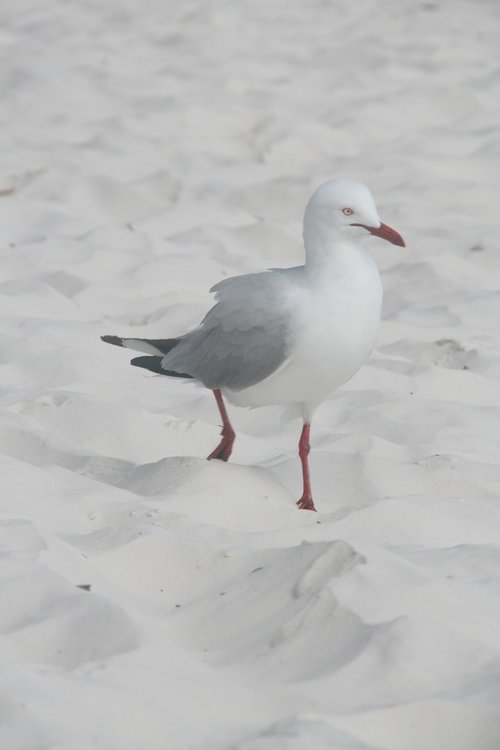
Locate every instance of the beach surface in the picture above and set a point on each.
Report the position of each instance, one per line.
(153, 600)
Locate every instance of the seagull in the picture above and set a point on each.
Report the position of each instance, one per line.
(287, 335)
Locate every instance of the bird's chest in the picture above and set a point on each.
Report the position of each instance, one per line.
(339, 324)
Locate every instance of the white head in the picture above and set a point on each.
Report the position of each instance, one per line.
(344, 210)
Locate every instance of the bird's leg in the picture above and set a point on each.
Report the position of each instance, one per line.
(306, 502)
(225, 447)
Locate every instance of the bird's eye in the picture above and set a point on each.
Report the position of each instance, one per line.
(347, 211)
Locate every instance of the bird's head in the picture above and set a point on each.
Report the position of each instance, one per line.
(344, 209)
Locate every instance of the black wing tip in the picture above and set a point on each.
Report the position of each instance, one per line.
(153, 364)
(115, 340)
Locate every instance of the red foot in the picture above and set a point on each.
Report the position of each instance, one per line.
(306, 503)
(224, 449)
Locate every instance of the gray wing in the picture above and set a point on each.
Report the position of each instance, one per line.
(243, 338)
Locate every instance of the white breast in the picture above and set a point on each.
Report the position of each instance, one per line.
(332, 331)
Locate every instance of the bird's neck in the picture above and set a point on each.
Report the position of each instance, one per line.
(335, 257)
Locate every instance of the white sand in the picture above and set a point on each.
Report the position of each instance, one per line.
(148, 150)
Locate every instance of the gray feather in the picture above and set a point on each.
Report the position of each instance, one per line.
(243, 338)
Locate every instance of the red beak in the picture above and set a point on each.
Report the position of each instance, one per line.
(385, 232)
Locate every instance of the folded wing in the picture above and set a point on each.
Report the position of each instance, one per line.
(243, 339)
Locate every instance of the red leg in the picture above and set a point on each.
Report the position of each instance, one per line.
(225, 447)
(306, 502)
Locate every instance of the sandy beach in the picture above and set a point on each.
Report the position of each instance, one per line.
(152, 600)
